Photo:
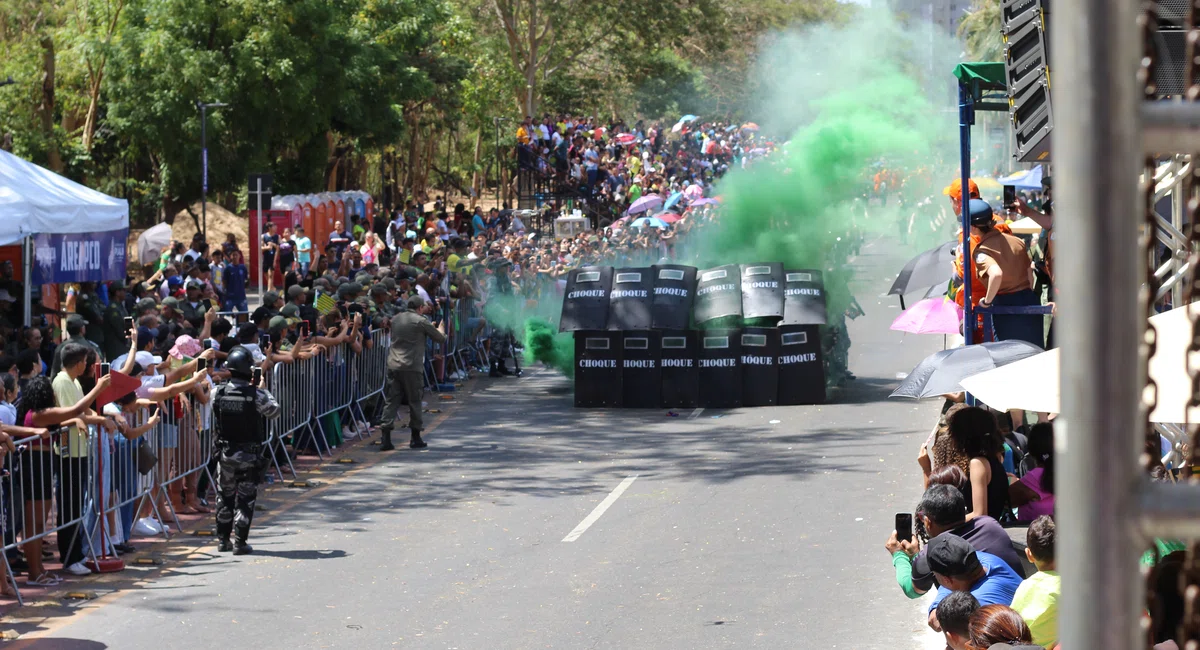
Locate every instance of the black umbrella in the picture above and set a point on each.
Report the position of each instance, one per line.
(941, 372)
(933, 267)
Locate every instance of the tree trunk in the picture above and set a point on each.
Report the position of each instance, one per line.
(410, 173)
(47, 108)
(477, 176)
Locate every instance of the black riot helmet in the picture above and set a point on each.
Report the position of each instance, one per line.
(239, 363)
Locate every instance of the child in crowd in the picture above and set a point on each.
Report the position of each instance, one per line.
(1036, 599)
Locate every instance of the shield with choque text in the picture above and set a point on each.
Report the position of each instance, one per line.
(629, 301)
(585, 303)
(803, 298)
(674, 292)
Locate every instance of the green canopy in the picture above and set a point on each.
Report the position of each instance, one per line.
(988, 75)
(978, 77)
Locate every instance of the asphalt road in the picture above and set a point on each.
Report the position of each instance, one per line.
(754, 528)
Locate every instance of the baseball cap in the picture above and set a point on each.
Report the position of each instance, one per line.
(116, 285)
(145, 304)
(980, 212)
(277, 323)
(195, 284)
(147, 334)
(290, 310)
(270, 298)
(951, 555)
(171, 301)
(378, 289)
(416, 302)
(296, 290)
(954, 189)
(389, 283)
(76, 320)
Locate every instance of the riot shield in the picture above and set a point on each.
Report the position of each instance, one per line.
(585, 303)
(803, 298)
(801, 369)
(720, 362)
(718, 294)
(629, 302)
(674, 293)
(762, 293)
(642, 377)
(760, 369)
(680, 371)
(598, 368)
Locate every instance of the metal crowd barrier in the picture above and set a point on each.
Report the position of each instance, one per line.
(37, 482)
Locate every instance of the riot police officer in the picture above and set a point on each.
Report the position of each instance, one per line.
(240, 411)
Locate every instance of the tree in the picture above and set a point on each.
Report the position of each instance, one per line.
(980, 30)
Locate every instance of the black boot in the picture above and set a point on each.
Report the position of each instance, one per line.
(495, 371)
(416, 442)
(224, 546)
(504, 369)
(385, 440)
(240, 547)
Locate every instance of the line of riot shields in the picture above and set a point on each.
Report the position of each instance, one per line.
(674, 336)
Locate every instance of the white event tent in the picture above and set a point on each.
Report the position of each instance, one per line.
(35, 200)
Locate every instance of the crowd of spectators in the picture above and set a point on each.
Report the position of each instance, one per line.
(983, 538)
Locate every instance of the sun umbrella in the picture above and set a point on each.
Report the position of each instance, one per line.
(749, 126)
(1025, 226)
(1033, 384)
(152, 241)
(672, 200)
(757, 151)
(942, 372)
(668, 217)
(648, 202)
(652, 222)
(693, 192)
(688, 118)
(1030, 179)
(625, 138)
(930, 316)
(704, 201)
(933, 267)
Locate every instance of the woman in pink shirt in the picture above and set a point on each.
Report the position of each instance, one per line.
(1033, 494)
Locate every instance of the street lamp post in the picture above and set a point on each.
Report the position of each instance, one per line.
(204, 162)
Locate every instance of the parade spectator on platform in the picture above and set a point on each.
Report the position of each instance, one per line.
(1036, 599)
(942, 512)
(959, 567)
(975, 432)
(1033, 494)
(1002, 261)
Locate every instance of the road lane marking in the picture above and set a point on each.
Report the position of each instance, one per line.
(599, 510)
(695, 414)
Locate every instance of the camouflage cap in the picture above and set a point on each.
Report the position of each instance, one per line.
(171, 301)
(144, 305)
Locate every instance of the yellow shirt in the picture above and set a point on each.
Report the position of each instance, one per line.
(68, 392)
(522, 135)
(405, 255)
(1036, 601)
(452, 262)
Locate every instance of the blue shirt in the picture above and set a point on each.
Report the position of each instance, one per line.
(235, 282)
(996, 588)
(477, 225)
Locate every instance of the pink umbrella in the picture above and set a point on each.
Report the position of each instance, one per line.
(930, 316)
(669, 217)
(648, 202)
(625, 138)
(704, 201)
(693, 192)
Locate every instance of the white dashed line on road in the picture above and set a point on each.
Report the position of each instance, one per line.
(600, 509)
(695, 414)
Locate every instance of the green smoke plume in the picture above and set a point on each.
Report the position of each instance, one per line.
(544, 343)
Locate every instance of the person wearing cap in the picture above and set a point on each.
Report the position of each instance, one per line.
(380, 301)
(405, 369)
(954, 191)
(194, 305)
(942, 511)
(1002, 261)
(145, 306)
(171, 312)
(76, 333)
(115, 328)
(270, 306)
(959, 567)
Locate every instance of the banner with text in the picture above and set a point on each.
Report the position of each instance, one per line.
(79, 257)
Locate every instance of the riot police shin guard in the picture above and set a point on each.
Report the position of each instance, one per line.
(385, 440)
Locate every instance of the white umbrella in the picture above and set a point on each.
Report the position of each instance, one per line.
(151, 242)
(1025, 226)
(1033, 384)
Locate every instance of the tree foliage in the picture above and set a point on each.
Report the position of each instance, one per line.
(394, 95)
